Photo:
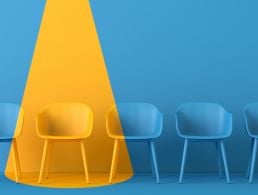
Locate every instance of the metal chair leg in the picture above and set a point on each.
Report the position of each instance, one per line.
(250, 159)
(253, 161)
(225, 160)
(155, 162)
(219, 159)
(114, 160)
(183, 161)
(43, 160)
(151, 161)
(85, 162)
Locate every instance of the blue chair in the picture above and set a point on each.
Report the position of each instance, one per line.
(251, 124)
(134, 122)
(207, 122)
(11, 122)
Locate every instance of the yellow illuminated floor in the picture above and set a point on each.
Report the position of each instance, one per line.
(69, 180)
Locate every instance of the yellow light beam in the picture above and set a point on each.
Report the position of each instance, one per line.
(68, 66)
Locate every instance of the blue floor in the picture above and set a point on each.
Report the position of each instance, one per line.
(143, 184)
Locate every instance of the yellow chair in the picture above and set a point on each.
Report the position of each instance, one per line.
(64, 122)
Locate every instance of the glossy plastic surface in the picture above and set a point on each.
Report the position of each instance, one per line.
(11, 120)
(251, 119)
(134, 121)
(203, 121)
(65, 121)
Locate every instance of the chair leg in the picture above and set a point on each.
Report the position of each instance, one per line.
(15, 164)
(155, 162)
(250, 159)
(114, 160)
(17, 158)
(253, 161)
(43, 160)
(151, 160)
(225, 160)
(85, 162)
(183, 161)
(219, 159)
(153, 169)
(49, 158)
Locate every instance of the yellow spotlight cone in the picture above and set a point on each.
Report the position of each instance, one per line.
(68, 66)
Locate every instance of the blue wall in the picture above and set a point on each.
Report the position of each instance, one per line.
(165, 52)
(19, 25)
(174, 51)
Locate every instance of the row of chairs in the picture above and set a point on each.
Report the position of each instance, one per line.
(130, 121)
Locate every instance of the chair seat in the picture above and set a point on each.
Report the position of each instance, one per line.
(54, 137)
(253, 135)
(133, 138)
(205, 138)
(6, 139)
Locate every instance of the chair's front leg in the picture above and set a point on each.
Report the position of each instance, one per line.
(151, 161)
(253, 161)
(250, 159)
(49, 158)
(85, 162)
(225, 160)
(114, 160)
(183, 161)
(17, 157)
(15, 163)
(219, 158)
(155, 162)
(43, 160)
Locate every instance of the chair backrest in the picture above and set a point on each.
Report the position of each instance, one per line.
(11, 118)
(65, 119)
(137, 120)
(203, 119)
(251, 119)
